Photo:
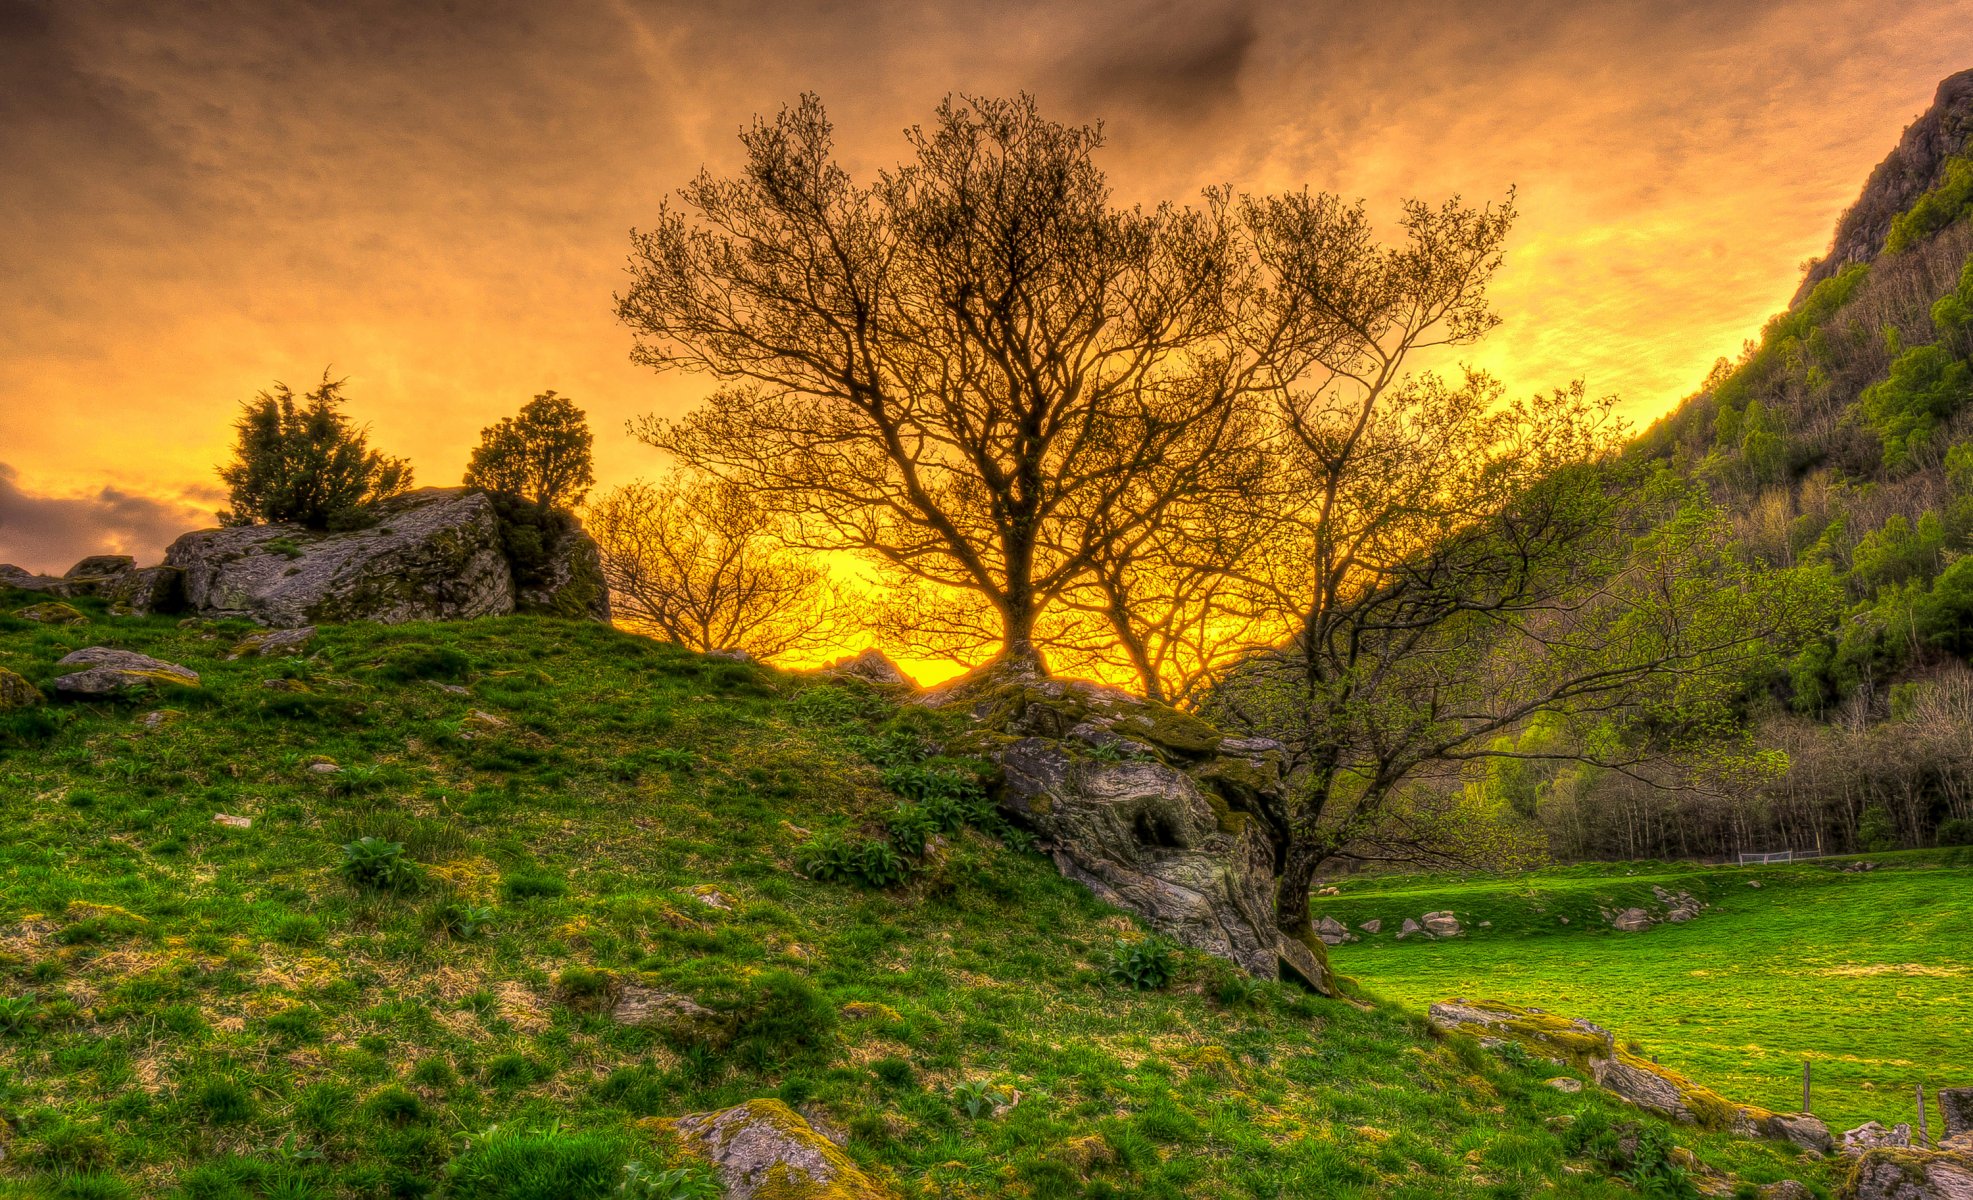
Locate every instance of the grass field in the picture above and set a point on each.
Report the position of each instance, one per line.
(205, 1012)
(1868, 975)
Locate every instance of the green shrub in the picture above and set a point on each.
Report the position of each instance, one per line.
(415, 661)
(379, 866)
(829, 857)
(504, 1164)
(911, 828)
(1936, 209)
(1927, 385)
(1146, 964)
(1875, 829)
(1955, 831)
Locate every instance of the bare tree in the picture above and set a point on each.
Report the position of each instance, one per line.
(697, 562)
(965, 370)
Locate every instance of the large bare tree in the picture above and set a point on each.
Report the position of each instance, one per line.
(966, 369)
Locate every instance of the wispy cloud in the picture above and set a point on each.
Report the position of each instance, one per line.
(51, 533)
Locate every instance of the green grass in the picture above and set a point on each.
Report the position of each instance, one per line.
(197, 1011)
(1867, 975)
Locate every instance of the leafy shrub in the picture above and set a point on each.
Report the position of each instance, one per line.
(379, 866)
(305, 462)
(502, 1164)
(463, 921)
(1955, 831)
(910, 828)
(1146, 964)
(829, 857)
(1926, 386)
(679, 1183)
(975, 1097)
(1936, 209)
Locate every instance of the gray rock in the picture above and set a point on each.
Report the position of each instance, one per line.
(1786, 1189)
(111, 672)
(145, 591)
(1441, 924)
(16, 692)
(1679, 906)
(731, 654)
(1165, 830)
(1872, 1136)
(642, 1006)
(98, 569)
(53, 612)
(764, 1148)
(872, 667)
(1631, 920)
(1374, 925)
(1956, 1105)
(1563, 1083)
(433, 554)
(231, 821)
(1331, 931)
(1803, 1130)
(272, 642)
(570, 583)
(1908, 1174)
(27, 581)
(1408, 928)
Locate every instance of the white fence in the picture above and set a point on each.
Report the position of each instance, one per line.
(1775, 856)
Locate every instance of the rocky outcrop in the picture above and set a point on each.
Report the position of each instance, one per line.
(434, 554)
(871, 666)
(26, 580)
(1872, 1136)
(1956, 1107)
(1594, 1050)
(110, 672)
(764, 1150)
(1915, 166)
(566, 578)
(114, 577)
(1152, 809)
(1905, 1173)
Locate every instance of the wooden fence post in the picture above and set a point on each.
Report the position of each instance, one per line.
(1924, 1135)
(1805, 1087)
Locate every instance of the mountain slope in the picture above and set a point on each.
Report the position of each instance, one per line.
(201, 1010)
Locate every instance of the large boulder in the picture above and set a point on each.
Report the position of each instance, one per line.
(871, 666)
(764, 1150)
(1908, 1173)
(433, 554)
(1594, 1050)
(110, 672)
(25, 580)
(1150, 808)
(566, 578)
(146, 590)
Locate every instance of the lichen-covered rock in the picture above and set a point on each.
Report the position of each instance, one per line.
(763, 1150)
(1648, 1085)
(16, 692)
(433, 554)
(653, 1008)
(568, 581)
(270, 643)
(1872, 1136)
(1408, 928)
(110, 672)
(1956, 1106)
(25, 580)
(52, 612)
(1631, 920)
(88, 577)
(871, 666)
(1904, 1173)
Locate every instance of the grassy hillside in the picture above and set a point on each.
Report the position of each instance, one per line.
(1866, 974)
(202, 1011)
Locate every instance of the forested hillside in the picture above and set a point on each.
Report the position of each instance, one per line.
(1841, 445)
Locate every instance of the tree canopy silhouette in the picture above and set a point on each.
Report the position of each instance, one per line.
(300, 459)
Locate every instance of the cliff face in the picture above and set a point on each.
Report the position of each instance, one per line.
(1915, 166)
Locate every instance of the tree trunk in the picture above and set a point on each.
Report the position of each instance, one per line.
(1291, 890)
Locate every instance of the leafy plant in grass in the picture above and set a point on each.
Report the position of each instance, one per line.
(1652, 1171)
(679, 1183)
(976, 1097)
(463, 921)
(1145, 965)
(379, 866)
(911, 828)
(829, 857)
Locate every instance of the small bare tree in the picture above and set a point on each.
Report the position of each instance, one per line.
(697, 562)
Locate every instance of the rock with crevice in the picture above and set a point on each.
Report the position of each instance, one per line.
(110, 672)
(1872, 1136)
(1152, 809)
(1910, 1173)
(1956, 1107)
(764, 1150)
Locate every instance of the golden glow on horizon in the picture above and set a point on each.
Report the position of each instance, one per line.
(438, 208)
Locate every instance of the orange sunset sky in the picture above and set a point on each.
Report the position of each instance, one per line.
(203, 196)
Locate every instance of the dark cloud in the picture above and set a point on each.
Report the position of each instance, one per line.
(1179, 60)
(51, 533)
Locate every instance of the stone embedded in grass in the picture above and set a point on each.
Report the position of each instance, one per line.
(1408, 928)
(712, 897)
(231, 821)
(16, 692)
(1631, 920)
(53, 612)
(764, 1149)
(653, 1008)
(271, 642)
(323, 766)
(1565, 1083)
(1441, 924)
(1374, 925)
(1332, 932)
(114, 672)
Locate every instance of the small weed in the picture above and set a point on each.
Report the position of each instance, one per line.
(379, 866)
(679, 1183)
(1145, 965)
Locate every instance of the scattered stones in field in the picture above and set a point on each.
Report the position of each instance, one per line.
(231, 821)
(16, 692)
(1333, 932)
(1679, 906)
(1565, 1083)
(1786, 1189)
(109, 672)
(271, 642)
(1859, 866)
(764, 1148)
(1631, 1077)
(1753, 883)
(450, 689)
(1442, 924)
(1872, 1136)
(1374, 925)
(158, 718)
(1408, 928)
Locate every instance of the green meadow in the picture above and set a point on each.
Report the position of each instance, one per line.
(1866, 975)
(195, 1010)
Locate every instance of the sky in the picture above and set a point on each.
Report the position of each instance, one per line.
(434, 199)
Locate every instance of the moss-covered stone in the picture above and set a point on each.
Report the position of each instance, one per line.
(16, 692)
(53, 612)
(764, 1150)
